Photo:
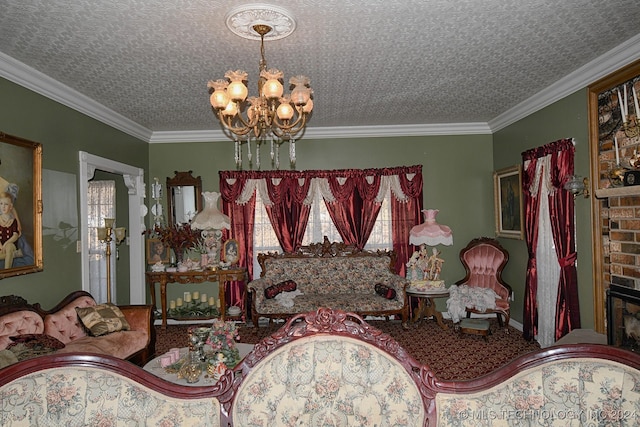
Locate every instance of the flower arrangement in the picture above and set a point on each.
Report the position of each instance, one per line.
(222, 339)
(179, 237)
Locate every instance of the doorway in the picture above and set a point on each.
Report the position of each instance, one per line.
(134, 181)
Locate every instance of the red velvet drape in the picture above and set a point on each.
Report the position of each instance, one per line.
(242, 223)
(405, 215)
(355, 210)
(531, 210)
(563, 229)
(288, 215)
(561, 206)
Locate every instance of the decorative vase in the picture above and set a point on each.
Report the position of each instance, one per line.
(179, 253)
(192, 368)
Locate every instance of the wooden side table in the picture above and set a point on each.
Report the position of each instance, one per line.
(232, 275)
(221, 276)
(426, 304)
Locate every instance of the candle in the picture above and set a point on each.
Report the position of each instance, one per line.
(187, 297)
(179, 302)
(212, 301)
(172, 305)
(203, 298)
(196, 295)
(165, 361)
(635, 102)
(218, 303)
(622, 109)
(615, 141)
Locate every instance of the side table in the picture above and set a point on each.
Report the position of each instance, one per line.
(426, 304)
(221, 276)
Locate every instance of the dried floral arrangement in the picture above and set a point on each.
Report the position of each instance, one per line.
(180, 237)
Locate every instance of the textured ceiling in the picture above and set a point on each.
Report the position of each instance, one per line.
(371, 63)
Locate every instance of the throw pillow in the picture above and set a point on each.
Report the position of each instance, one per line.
(37, 341)
(285, 286)
(385, 291)
(102, 319)
(27, 346)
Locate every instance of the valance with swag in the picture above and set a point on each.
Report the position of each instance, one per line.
(353, 198)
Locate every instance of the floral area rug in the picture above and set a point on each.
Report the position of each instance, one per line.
(450, 356)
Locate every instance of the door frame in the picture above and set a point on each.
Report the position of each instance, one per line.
(134, 181)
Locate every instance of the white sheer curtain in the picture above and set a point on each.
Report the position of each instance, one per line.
(102, 204)
(546, 256)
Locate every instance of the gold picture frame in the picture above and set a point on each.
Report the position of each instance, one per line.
(155, 255)
(230, 252)
(21, 186)
(508, 202)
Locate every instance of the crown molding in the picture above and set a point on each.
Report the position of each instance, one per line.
(23, 75)
(618, 57)
(336, 132)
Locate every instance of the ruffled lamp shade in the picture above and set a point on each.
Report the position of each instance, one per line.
(430, 233)
(210, 218)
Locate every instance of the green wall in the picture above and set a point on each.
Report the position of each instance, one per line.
(62, 132)
(566, 118)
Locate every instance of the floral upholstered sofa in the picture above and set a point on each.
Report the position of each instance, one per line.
(94, 390)
(328, 275)
(332, 368)
(27, 330)
(329, 367)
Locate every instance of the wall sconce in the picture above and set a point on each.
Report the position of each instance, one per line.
(577, 185)
(104, 235)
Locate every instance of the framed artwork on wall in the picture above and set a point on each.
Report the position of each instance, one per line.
(230, 252)
(508, 202)
(20, 206)
(157, 252)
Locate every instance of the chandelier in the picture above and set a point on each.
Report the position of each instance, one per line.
(271, 116)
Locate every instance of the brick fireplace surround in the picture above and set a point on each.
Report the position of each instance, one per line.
(621, 230)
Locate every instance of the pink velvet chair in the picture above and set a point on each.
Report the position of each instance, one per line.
(484, 259)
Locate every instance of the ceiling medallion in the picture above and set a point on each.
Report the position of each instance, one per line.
(242, 19)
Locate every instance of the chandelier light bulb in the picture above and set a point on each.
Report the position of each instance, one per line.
(231, 109)
(219, 98)
(272, 89)
(237, 91)
(285, 110)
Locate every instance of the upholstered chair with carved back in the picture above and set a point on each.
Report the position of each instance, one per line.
(484, 259)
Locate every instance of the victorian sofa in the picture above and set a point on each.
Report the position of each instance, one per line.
(328, 275)
(61, 330)
(329, 367)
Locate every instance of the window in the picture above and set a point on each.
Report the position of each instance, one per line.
(101, 200)
(320, 225)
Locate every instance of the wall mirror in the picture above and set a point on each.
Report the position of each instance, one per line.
(184, 197)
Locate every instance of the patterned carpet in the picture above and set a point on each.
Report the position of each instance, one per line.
(450, 355)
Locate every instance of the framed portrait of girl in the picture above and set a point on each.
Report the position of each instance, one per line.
(230, 252)
(157, 252)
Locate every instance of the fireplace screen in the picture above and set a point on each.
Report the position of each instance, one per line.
(623, 317)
